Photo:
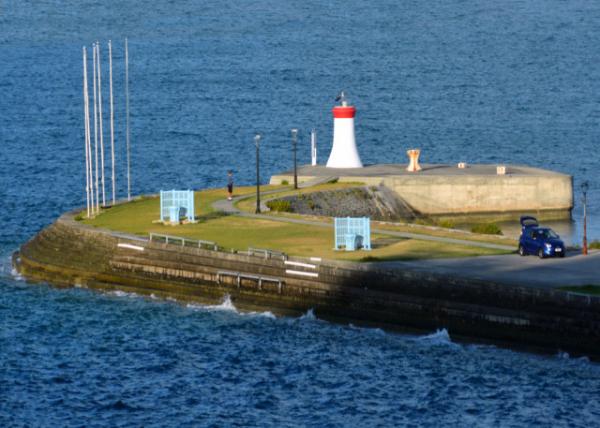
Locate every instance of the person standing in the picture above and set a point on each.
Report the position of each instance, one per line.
(230, 185)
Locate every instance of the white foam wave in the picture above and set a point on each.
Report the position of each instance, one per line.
(228, 306)
(309, 315)
(440, 337)
(563, 355)
(120, 293)
(374, 330)
(266, 314)
(16, 275)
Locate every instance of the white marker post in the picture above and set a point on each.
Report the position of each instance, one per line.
(313, 147)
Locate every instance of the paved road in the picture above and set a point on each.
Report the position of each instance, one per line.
(574, 269)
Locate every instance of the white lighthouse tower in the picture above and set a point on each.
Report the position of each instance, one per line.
(344, 153)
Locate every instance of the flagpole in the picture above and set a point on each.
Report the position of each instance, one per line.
(95, 157)
(86, 122)
(100, 120)
(112, 126)
(127, 120)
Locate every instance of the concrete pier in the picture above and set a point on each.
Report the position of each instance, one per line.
(476, 191)
(68, 253)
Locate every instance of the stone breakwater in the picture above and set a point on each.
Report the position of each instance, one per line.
(68, 253)
(475, 193)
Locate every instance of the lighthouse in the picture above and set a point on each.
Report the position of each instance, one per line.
(344, 153)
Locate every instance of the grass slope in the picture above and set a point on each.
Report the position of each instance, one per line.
(231, 231)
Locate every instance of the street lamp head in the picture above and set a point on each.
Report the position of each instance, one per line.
(294, 132)
(585, 186)
(257, 139)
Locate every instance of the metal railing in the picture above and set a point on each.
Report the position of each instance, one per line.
(183, 242)
(267, 254)
(258, 278)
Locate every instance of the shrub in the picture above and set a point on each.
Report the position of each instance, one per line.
(423, 221)
(487, 229)
(595, 245)
(448, 224)
(280, 205)
(78, 217)
(285, 182)
(370, 259)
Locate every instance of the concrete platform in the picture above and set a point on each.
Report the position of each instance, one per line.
(471, 193)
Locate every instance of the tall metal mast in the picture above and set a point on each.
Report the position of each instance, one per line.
(95, 87)
(86, 122)
(127, 120)
(100, 120)
(112, 125)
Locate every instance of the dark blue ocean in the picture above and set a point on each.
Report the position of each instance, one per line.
(496, 82)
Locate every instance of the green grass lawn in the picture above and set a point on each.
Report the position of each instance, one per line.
(231, 231)
(594, 290)
(248, 204)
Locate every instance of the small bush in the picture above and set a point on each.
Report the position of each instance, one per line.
(423, 221)
(280, 205)
(448, 224)
(370, 259)
(285, 182)
(78, 217)
(333, 181)
(594, 245)
(487, 229)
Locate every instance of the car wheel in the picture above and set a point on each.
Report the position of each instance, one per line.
(521, 250)
(562, 255)
(541, 254)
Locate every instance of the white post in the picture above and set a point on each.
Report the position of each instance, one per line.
(313, 147)
(86, 123)
(112, 126)
(100, 122)
(127, 120)
(95, 87)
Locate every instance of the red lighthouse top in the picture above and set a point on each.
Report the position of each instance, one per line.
(344, 112)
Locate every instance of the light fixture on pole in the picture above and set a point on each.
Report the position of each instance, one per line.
(584, 189)
(257, 144)
(294, 146)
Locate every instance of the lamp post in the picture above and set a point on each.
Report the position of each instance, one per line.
(584, 188)
(294, 146)
(257, 144)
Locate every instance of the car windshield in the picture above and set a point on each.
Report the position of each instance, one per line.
(547, 234)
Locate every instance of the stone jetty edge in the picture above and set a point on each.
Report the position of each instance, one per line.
(68, 253)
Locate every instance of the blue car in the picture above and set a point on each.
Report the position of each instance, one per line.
(542, 241)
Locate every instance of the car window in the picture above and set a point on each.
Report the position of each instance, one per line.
(529, 233)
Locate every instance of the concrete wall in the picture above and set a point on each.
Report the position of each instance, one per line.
(549, 195)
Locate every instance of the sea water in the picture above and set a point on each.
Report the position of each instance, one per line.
(503, 82)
